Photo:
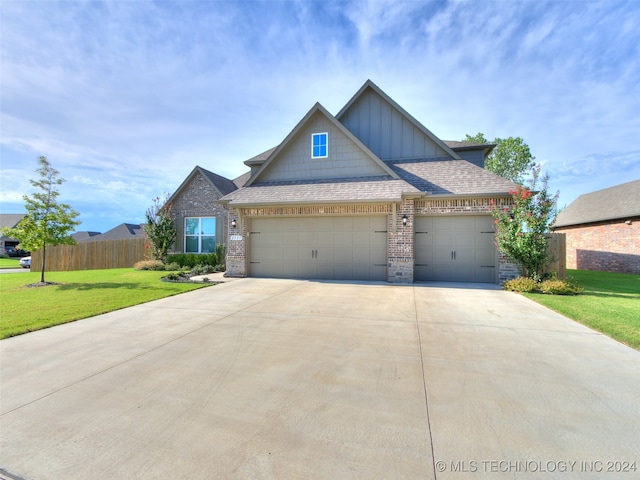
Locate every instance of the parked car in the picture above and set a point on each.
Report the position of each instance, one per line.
(25, 262)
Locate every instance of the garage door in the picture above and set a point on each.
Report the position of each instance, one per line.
(455, 249)
(340, 248)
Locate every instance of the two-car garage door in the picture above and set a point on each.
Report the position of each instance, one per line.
(446, 248)
(340, 248)
(455, 249)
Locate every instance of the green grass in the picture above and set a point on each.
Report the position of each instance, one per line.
(610, 304)
(9, 263)
(81, 294)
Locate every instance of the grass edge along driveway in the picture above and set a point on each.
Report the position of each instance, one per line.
(610, 304)
(78, 295)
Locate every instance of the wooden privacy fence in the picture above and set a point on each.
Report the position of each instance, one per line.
(92, 255)
(125, 253)
(557, 251)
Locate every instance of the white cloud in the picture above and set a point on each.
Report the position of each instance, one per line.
(132, 95)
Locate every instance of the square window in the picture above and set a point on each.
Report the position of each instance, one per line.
(319, 145)
(200, 235)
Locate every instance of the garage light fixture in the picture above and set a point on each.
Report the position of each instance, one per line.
(404, 220)
(233, 223)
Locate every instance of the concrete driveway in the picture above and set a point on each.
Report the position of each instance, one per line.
(285, 379)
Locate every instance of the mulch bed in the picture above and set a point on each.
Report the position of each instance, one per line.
(41, 284)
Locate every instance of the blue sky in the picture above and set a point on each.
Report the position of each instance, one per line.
(125, 98)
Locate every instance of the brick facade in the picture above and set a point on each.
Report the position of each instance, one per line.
(612, 246)
(400, 238)
(198, 198)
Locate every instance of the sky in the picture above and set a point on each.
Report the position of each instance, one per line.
(125, 98)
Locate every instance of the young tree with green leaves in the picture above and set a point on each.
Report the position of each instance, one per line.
(160, 228)
(511, 158)
(47, 222)
(523, 229)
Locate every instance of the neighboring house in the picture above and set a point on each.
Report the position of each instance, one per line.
(602, 229)
(84, 236)
(367, 194)
(121, 232)
(9, 220)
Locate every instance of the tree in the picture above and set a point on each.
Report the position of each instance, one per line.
(511, 158)
(160, 228)
(522, 230)
(47, 222)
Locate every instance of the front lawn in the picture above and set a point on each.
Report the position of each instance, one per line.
(81, 294)
(610, 304)
(9, 263)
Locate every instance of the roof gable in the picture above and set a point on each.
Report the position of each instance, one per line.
(120, 232)
(618, 202)
(10, 220)
(389, 130)
(291, 160)
(221, 184)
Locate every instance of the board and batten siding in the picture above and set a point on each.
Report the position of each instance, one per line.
(345, 159)
(386, 131)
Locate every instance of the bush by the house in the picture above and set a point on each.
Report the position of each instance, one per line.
(149, 265)
(559, 287)
(192, 259)
(520, 284)
(550, 286)
(202, 269)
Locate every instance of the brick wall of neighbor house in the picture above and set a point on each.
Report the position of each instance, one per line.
(605, 246)
(198, 199)
(400, 246)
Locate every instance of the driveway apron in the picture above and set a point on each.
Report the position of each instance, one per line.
(262, 378)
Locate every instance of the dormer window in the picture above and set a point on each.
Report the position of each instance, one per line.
(319, 145)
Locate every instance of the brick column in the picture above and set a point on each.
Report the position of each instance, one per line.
(400, 243)
(236, 261)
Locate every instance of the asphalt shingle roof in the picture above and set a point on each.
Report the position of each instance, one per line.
(619, 202)
(224, 185)
(456, 144)
(457, 177)
(365, 189)
(434, 177)
(10, 220)
(122, 231)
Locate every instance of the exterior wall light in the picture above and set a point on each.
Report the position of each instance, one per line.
(233, 223)
(404, 220)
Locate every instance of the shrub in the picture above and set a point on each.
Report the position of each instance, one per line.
(149, 265)
(172, 266)
(172, 277)
(192, 259)
(559, 287)
(202, 269)
(520, 284)
(221, 253)
(551, 286)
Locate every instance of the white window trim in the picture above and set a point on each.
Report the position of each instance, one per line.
(327, 146)
(199, 235)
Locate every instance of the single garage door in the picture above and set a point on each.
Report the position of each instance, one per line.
(339, 248)
(455, 249)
